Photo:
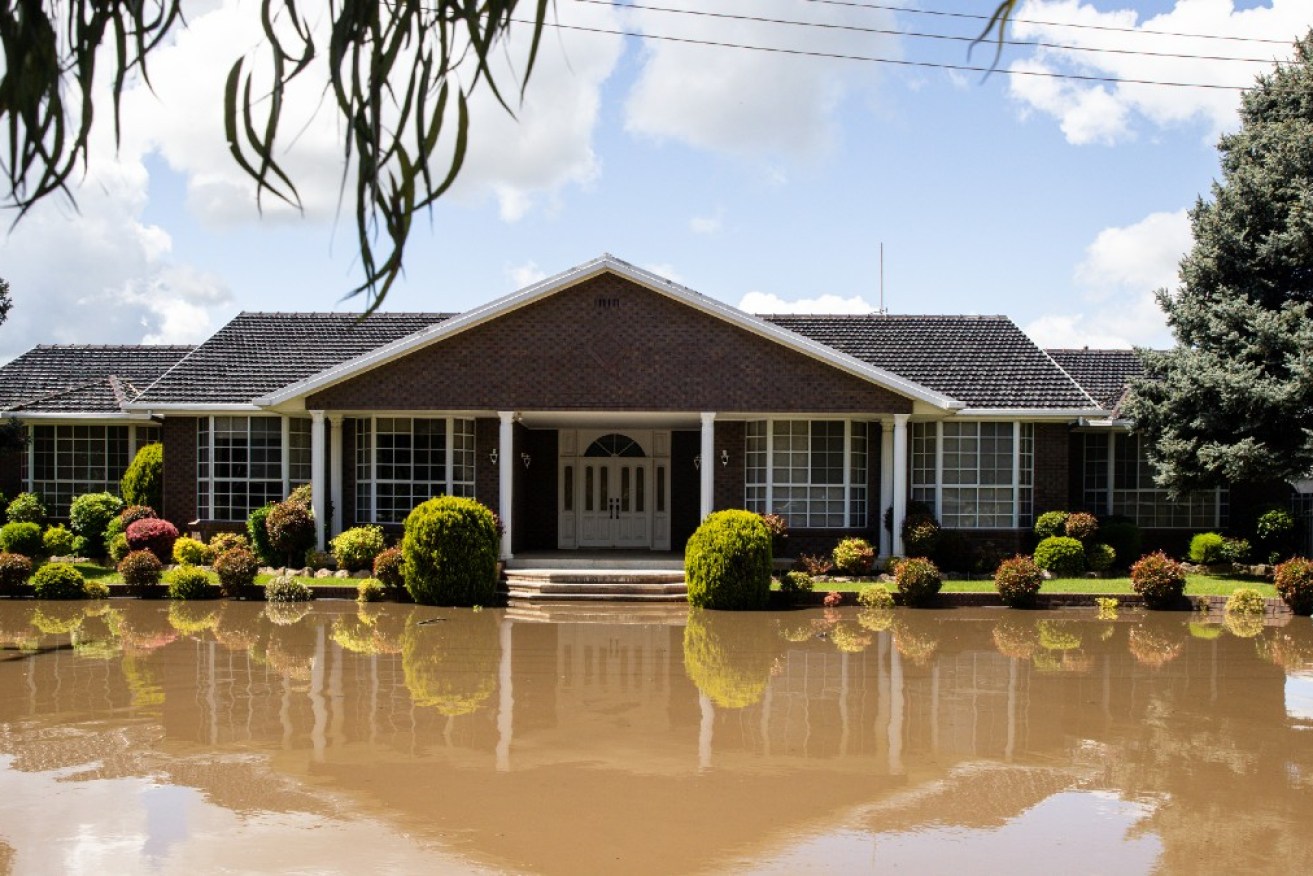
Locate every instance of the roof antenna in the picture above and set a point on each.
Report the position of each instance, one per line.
(883, 310)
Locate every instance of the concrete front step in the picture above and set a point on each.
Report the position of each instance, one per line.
(594, 576)
(629, 585)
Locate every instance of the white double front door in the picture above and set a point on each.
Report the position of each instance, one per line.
(615, 508)
(614, 489)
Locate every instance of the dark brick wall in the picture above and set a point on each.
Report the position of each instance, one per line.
(487, 434)
(179, 438)
(1052, 483)
(640, 351)
(11, 472)
(729, 486)
(685, 491)
(536, 490)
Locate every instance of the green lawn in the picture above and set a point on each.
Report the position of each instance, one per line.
(1196, 585)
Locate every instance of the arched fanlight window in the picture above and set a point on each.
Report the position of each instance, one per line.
(614, 444)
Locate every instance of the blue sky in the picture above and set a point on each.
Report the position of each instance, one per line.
(763, 179)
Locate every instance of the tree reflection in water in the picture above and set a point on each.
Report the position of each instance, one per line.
(451, 665)
(729, 656)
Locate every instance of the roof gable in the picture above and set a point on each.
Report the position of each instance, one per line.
(82, 379)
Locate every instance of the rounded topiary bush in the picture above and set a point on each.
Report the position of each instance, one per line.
(90, 514)
(1064, 557)
(141, 572)
(226, 541)
(1159, 579)
(727, 562)
(1294, 582)
(793, 584)
(188, 582)
(1099, 557)
(918, 580)
(1245, 600)
(143, 482)
(258, 532)
(355, 548)
(875, 596)
(1050, 524)
(58, 581)
(370, 590)
(21, 537)
(1018, 581)
(1276, 531)
(291, 528)
(26, 508)
(389, 568)
(57, 541)
(1081, 526)
(854, 556)
(188, 551)
(1236, 550)
(450, 550)
(286, 588)
(1207, 548)
(236, 568)
(154, 535)
(15, 569)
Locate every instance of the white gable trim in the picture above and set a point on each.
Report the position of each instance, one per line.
(574, 276)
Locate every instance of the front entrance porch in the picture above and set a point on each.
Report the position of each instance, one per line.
(589, 576)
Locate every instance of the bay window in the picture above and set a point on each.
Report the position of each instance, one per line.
(403, 461)
(812, 472)
(1117, 478)
(975, 475)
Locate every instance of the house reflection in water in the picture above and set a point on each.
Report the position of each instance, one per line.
(559, 742)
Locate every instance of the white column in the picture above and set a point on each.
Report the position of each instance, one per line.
(505, 477)
(900, 480)
(708, 469)
(335, 469)
(886, 484)
(317, 491)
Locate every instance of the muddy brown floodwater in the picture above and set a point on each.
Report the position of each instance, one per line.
(145, 737)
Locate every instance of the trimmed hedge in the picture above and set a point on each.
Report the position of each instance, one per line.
(189, 551)
(1018, 581)
(286, 588)
(450, 549)
(389, 568)
(21, 537)
(59, 581)
(1051, 524)
(356, 548)
(26, 508)
(141, 572)
(1061, 555)
(90, 514)
(1294, 582)
(57, 541)
(236, 568)
(291, 528)
(1081, 526)
(727, 562)
(257, 531)
(854, 556)
(918, 580)
(143, 482)
(1159, 579)
(15, 569)
(154, 535)
(188, 582)
(1206, 548)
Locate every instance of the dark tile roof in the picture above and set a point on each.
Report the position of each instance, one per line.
(69, 378)
(258, 353)
(1103, 373)
(983, 361)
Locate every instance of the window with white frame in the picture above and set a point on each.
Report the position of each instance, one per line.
(975, 475)
(1118, 479)
(403, 461)
(70, 460)
(239, 463)
(812, 472)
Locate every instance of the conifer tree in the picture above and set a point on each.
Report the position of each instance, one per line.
(1233, 401)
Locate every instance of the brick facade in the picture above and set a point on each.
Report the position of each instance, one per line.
(179, 437)
(1052, 483)
(11, 472)
(608, 344)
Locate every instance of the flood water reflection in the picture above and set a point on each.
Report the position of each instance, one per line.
(152, 737)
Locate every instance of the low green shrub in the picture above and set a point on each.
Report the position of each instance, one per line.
(1245, 600)
(26, 508)
(389, 569)
(1236, 550)
(15, 569)
(355, 548)
(154, 535)
(226, 541)
(875, 596)
(188, 551)
(57, 541)
(58, 581)
(1206, 548)
(1159, 579)
(370, 590)
(1018, 581)
(258, 533)
(727, 562)
(143, 482)
(1051, 524)
(90, 513)
(1294, 583)
(1081, 526)
(291, 529)
(854, 556)
(1064, 557)
(918, 581)
(317, 559)
(794, 584)
(1099, 557)
(95, 589)
(118, 547)
(141, 572)
(1276, 532)
(450, 548)
(188, 582)
(236, 568)
(21, 537)
(286, 588)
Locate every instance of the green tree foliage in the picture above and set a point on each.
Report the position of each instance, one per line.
(1233, 401)
(727, 562)
(5, 301)
(143, 482)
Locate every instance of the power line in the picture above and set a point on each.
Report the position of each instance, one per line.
(903, 33)
(900, 62)
(1106, 27)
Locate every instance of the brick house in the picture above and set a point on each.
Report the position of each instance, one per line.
(605, 407)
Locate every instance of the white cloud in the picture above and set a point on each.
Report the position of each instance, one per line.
(666, 271)
(768, 302)
(1121, 270)
(707, 224)
(751, 103)
(525, 275)
(1107, 113)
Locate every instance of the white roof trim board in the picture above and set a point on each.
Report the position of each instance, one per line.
(576, 275)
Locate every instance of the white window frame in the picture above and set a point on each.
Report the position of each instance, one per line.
(450, 485)
(109, 479)
(1127, 501)
(932, 492)
(287, 480)
(847, 484)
